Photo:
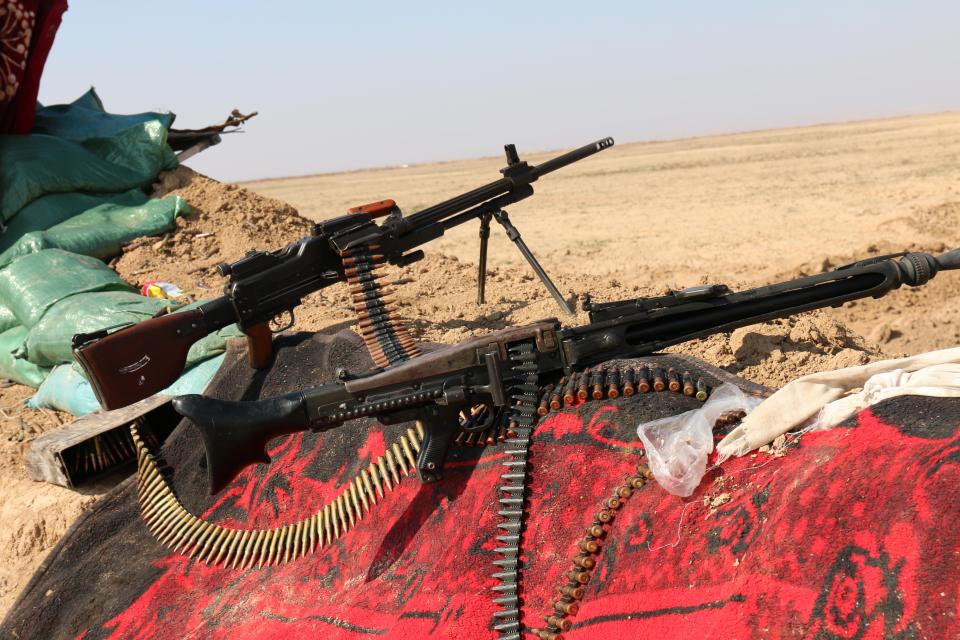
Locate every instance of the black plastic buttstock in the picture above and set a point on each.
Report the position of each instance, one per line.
(235, 434)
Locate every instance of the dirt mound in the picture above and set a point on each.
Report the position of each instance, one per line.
(910, 319)
(226, 222)
(773, 353)
(940, 222)
(33, 515)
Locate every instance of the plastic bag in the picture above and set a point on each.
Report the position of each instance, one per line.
(16, 369)
(35, 282)
(66, 389)
(50, 340)
(101, 231)
(677, 447)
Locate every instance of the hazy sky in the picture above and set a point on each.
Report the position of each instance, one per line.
(343, 85)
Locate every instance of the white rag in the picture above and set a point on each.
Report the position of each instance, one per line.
(799, 401)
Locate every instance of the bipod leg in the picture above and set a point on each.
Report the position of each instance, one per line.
(514, 236)
(482, 274)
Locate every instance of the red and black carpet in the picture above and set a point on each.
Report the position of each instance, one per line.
(853, 534)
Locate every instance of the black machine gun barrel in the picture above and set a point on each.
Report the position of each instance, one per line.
(131, 363)
(645, 325)
(516, 174)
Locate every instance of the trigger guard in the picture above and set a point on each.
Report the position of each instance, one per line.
(490, 420)
(274, 321)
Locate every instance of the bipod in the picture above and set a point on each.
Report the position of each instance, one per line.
(482, 274)
(503, 218)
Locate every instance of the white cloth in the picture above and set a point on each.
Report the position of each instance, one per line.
(802, 399)
(941, 380)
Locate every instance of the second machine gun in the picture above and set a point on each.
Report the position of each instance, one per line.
(487, 379)
(134, 362)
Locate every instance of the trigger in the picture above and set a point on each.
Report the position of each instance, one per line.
(276, 323)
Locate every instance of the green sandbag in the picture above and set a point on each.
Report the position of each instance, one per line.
(16, 369)
(66, 389)
(34, 282)
(50, 340)
(212, 344)
(35, 165)
(47, 211)
(80, 148)
(101, 231)
(85, 118)
(7, 319)
(142, 148)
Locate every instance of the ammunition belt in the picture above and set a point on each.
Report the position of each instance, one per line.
(522, 382)
(181, 531)
(469, 437)
(611, 382)
(571, 591)
(387, 338)
(589, 385)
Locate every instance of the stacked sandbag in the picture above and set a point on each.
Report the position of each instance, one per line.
(49, 210)
(16, 369)
(35, 282)
(55, 294)
(31, 287)
(12, 336)
(81, 148)
(101, 231)
(71, 195)
(66, 389)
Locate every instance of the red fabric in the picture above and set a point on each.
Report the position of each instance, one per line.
(27, 30)
(853, 534)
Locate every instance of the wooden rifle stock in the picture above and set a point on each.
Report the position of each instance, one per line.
(138, 361)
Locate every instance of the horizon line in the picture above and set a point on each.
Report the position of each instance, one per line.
(650, 141)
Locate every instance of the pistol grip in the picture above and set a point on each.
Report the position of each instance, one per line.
(439, 426)
(432, 454)
(259, 345)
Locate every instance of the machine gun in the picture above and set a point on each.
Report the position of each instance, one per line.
(491, 379)
(131, 363)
